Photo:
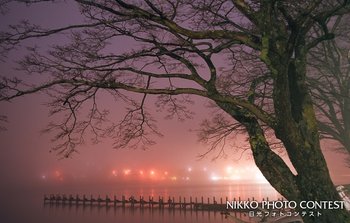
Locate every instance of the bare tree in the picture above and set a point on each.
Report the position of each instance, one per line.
(330, 84)
(197, 47)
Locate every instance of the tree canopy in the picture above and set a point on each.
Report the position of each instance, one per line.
(248, 57)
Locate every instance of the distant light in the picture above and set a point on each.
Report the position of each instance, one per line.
(166, 173)
(141, 172)
(127, 171)
(114, 173)
(189, 169)
(229, 169)
(43, 177)
(205, 169)
(215, 178)
(235, 177)
(187, 178)
(260, 178)
(57, 173)
(173, 178)
(152, 173)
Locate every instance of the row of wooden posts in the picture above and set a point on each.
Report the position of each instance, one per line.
(182, 203)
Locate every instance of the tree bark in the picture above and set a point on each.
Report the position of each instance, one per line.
(297, 129)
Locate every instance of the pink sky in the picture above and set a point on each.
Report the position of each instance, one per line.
(24, 152)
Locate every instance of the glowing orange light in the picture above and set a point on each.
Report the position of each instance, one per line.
(127, 171)
(229, 170)
(166, 173)
(152, 173)
(141, 172)
(215, 178)
(57, 173)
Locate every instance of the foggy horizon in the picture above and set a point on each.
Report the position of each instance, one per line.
(161, 103)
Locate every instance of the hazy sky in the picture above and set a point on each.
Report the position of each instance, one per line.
(24, 151)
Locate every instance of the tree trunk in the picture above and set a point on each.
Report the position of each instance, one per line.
(296, 126)
(297, 129)
(312, 182)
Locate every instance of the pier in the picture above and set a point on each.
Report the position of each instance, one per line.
(183, 203)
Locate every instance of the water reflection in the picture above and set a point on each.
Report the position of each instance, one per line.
(95, 213)
(26, 204)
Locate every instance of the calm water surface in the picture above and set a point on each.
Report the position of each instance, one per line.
(26, 204)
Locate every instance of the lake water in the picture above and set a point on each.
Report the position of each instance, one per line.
(26, 204)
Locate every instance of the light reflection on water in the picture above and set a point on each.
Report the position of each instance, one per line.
(129, 215)
(27, 206)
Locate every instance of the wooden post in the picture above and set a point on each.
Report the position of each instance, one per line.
(191, 202)
(132, 201)
(70, 199)
(123, 201)
(115, 201)
(98, 200)
(64, 197)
